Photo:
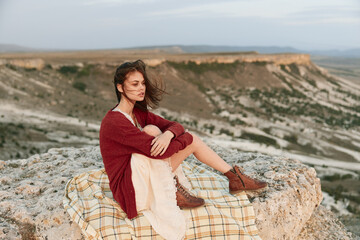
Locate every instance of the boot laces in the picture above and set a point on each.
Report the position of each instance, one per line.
(182, 189)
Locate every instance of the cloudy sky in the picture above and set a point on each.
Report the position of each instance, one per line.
(104, 24)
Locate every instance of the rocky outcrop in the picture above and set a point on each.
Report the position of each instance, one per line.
(277, 59)
(31, 63)
(31, 193)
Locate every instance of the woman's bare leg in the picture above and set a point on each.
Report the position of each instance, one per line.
(200, 150)
(203, 153)
(152, 130)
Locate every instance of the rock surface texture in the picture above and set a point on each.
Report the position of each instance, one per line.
(31, 193)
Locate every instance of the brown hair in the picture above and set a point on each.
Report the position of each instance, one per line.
(153, 92)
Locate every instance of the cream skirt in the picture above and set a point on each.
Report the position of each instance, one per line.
(155, 194)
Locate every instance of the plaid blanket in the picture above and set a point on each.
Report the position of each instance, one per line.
(89, 202)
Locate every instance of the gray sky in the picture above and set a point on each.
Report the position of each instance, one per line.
(99, 24)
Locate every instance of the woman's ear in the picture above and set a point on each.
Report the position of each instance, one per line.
(119, 88)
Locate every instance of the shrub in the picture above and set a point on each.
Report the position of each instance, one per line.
(226, 132)
(210, 127)
(85, 71)
(12, 67)
(291, 138)
(260, 63)
(79, 86)
(68, 69)
(259, 138)
(30, 69)
(48, 66)
(237, 121)
(332, 178)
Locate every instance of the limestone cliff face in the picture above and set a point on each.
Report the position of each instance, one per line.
(31, 193)
(277, 59)
(36, 63)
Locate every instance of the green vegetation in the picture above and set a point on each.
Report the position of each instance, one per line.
(337, 177)
(30, 69)
(283, 79)
(204, 67)
(210, 127)
(311, 81)
(10, 66)
(260, 63)
(291, 138)
(349, 94)
(294, 68)
(329, 79)
(309, 148)
(294, 103)
(79, 86)
(85, 71)
(225, 69)
(340, 194)
(226, 132)
(259, 138)
(80, 72)
(236, 122)
(335, 192)
(48, 66)
(66, 70)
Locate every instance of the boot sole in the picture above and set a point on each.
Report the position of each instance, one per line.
(249, 190)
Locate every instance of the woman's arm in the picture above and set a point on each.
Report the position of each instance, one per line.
(120, 131)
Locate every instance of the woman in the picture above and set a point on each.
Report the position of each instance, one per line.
(136, 145)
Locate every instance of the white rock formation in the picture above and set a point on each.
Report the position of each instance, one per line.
(30, 63)
(31, 193)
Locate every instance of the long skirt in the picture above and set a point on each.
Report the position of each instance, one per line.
(155, 194)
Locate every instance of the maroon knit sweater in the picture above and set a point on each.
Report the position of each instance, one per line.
(119, 138)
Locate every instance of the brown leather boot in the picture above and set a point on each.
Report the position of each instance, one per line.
(185, 199)
(238, 181)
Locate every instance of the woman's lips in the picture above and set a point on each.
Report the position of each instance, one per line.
(141, 94)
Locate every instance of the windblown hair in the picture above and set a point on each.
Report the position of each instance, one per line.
(153, 92)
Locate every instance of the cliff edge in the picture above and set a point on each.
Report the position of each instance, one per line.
(31, 193)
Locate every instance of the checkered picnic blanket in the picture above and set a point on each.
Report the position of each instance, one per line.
(89, 201)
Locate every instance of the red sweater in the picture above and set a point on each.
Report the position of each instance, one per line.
(119, 138)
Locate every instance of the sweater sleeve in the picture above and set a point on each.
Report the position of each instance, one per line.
(163, 124)
(123, 132)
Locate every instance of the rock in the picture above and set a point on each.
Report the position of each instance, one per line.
(324, 225)
(36, 63)
(294, 193)
(2, 164)
(32, 189)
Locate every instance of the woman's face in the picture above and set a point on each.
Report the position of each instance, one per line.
(134, 86)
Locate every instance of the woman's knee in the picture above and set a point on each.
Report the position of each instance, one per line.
(196, 139)
(152, 130)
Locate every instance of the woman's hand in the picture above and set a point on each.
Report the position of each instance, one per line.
(160, 143)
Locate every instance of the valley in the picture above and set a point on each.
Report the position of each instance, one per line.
(276, 104)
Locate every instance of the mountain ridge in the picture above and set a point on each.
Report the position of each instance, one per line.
(178, 48)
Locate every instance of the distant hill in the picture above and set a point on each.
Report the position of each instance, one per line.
(352, 53)
(215, 49)
(349, 53)
(13, 48)
(4, 48)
